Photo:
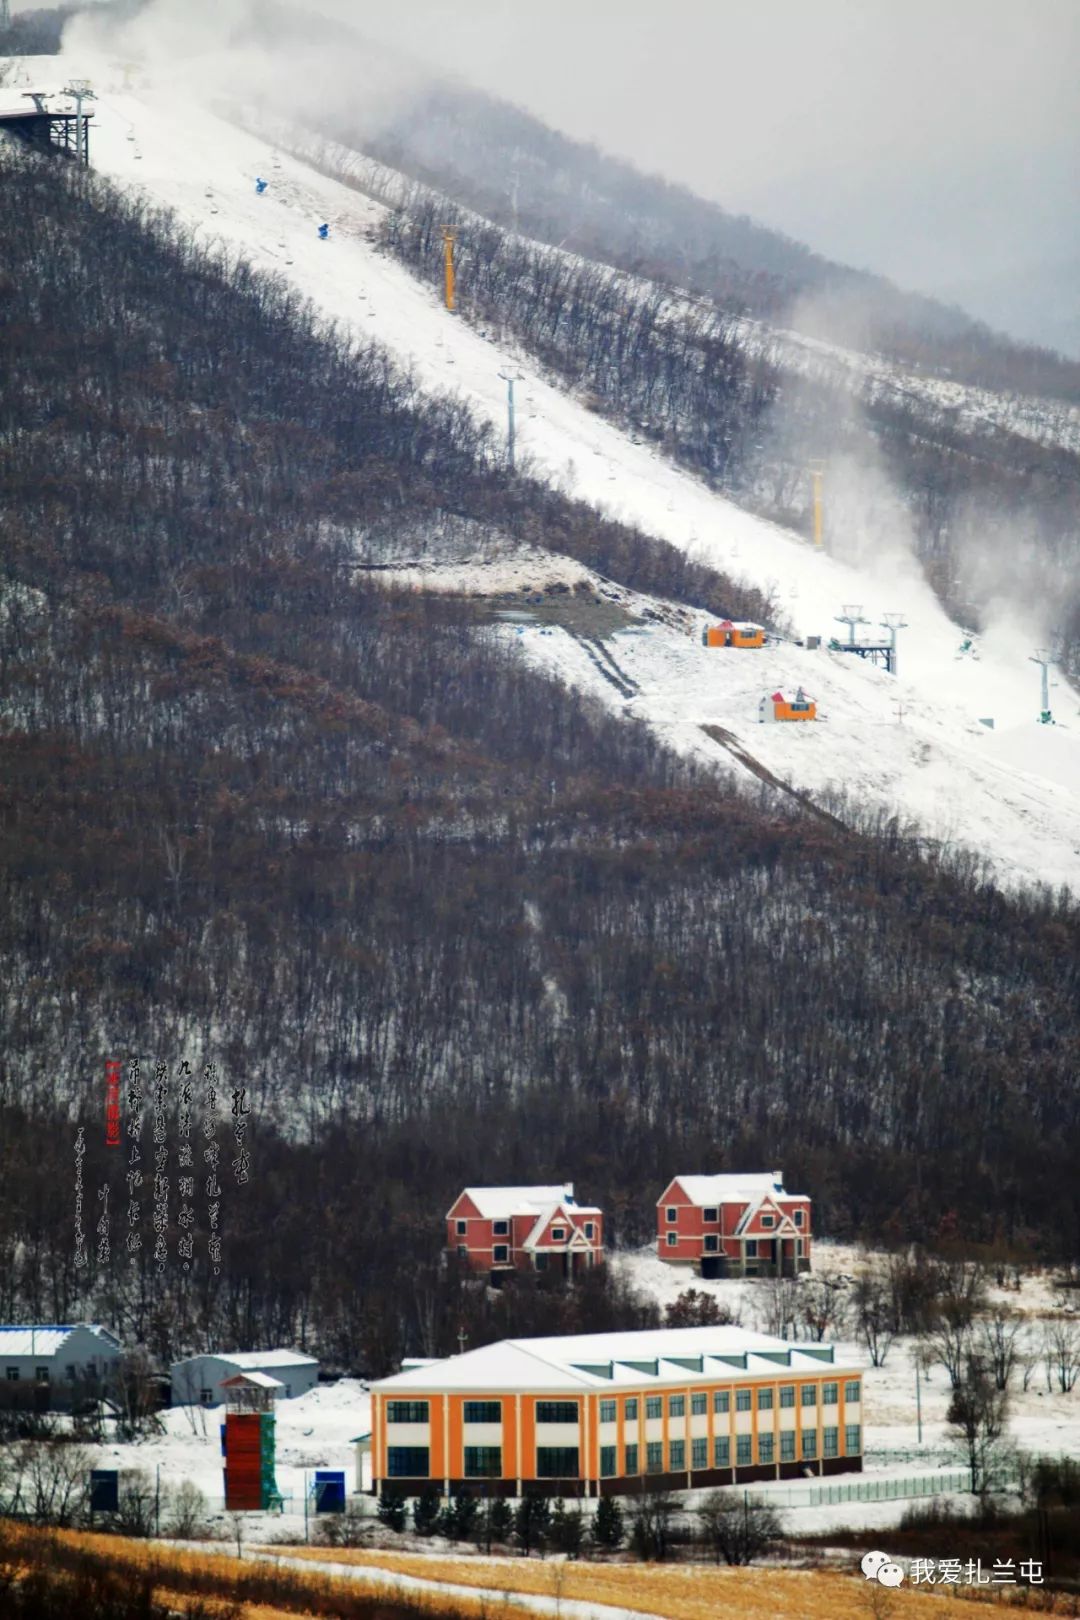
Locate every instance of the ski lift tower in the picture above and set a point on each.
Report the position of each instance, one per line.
(892, 622)
(1044, 658)
(851, 616)
(80, 90)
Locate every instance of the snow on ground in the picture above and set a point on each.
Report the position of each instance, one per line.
(312, 1431)
(1013, 795)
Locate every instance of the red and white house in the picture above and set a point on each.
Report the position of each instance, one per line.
(734, 1225)
(502, 1229)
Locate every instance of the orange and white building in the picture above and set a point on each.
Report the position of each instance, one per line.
(616, 1413)
(734, 1225)
(505, 1229)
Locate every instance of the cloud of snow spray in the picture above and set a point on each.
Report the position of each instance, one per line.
(280, 59)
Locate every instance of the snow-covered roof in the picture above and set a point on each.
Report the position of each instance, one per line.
(245, 1380)
(48, 1339)
(254, 1360)
(736, 1189)
(499, 1203)
(597, 1361)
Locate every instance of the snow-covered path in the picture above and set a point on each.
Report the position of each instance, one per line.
(913, 746)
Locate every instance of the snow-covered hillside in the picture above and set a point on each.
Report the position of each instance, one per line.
(913, 746)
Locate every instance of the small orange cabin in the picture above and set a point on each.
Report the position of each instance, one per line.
(729, 634)
(777, 707)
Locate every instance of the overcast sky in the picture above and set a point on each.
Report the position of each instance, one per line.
(937, 141)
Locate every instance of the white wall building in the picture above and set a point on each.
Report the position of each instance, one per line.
(58, 1357)
(196, 1381)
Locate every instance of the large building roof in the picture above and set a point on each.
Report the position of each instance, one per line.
(499, 1203)
(47, 1339)
(737, 1189)
(599, 1361)
(254, 1360)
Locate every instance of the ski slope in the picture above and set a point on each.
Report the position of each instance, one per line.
(913, 746)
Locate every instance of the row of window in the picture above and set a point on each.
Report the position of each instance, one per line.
(562, 1462)
(558, 1234)
(711, 1216)
(711, 1245)
(567, 1411)
(41, 1374)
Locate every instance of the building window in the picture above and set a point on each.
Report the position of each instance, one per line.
(288, 1392)
(787, 1394)
(767, 1222)
(672, 1239)
(462, 1228)
(677, 1450)
(797, 1217)
(787, 1445)
(712, 1243)
(744, 1450)
(463, 1253)
(721, 1452)
(483, 1462)
(830, 1394)
(206, 1396)
(407, 1462)
(798, 1248)
(41, 1374)
(500, 1254)
(765, 1448)
(406, 1411)
(13, 1375)
(851, 1390)
(699, 1405)
(711, 1215)
(677, 1406)
(630, 1410)
(607, 1461)
(558, 1234)
(483, 1412)
(556, 1412)
(852, 1440)
(830, 1442)
(809, 1444)
(557, 1462)
(500, 1228)
(742, 1400)
(764, 1400)
(631, 1459)
(654, 1457)
(607, 1411)
(672, 1214)
(654, 1406)
(540, 1262)
(809, 1395)
(751, 1248)
(721, 1400)
(590, 1230)
(699, 1452)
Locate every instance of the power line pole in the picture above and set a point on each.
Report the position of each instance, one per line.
(510, 379)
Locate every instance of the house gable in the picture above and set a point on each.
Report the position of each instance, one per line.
(674, 1193)
(463, 1209)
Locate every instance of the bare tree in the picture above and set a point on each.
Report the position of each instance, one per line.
(737, 1526)
(1000, 1339)
(1061, 1353)
(875, 1321)
(821, 1308)
(978, 1417)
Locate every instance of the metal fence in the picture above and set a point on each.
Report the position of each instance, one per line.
(874, 1490)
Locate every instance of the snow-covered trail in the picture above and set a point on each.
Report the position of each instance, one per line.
(913, 744)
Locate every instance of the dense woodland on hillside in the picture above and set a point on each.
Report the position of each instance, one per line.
(445, 921)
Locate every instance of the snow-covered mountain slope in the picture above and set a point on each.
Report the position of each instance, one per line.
(1013, 794)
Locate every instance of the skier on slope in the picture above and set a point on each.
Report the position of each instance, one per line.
(324, 232)
(260, 186)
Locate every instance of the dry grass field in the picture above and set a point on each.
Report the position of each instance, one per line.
(704, 1592)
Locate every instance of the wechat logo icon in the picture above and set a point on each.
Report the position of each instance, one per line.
(878, 1566)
